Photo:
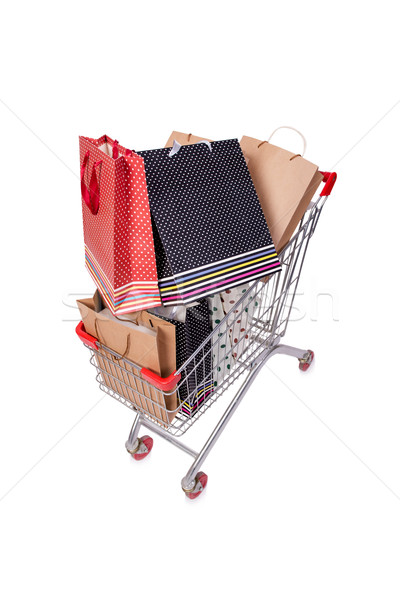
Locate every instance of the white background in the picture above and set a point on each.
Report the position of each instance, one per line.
(304, 486)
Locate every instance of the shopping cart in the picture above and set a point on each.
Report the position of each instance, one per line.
(263, 313)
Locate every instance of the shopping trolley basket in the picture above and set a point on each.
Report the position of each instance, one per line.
(262, 313)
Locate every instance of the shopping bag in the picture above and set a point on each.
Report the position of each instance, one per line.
(193, 327)
(166, 345)
(233, 321)
(240, 322)
(222, 358)
(119, 248)
(138, 344)
(184, 139)
(285, 184)
(208, 220)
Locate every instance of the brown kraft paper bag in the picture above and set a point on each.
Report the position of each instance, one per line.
(166, 343)
(184, 139)
(285, 184)
(138, 345)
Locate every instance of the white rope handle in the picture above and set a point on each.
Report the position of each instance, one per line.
(296, 130)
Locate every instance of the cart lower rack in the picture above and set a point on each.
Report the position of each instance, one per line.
(262, 313)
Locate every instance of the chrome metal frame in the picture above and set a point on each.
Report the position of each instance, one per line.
(227, 354)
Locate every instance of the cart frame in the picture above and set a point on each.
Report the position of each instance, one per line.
(263, 310)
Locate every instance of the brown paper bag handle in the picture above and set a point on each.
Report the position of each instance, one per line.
(136, 322)
(297, 131)
(128, 342)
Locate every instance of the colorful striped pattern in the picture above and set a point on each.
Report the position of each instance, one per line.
(197, 283)
(203, 392)
(137, 295)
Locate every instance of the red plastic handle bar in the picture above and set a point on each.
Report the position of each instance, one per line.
(329, 180)
(86, 338)
(166, 384)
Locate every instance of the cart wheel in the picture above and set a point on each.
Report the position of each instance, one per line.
(306, 361)
(143, 449)
(201, 482)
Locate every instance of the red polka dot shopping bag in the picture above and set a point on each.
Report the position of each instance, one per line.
(119, 247)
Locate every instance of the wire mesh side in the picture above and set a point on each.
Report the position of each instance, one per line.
(252, 325)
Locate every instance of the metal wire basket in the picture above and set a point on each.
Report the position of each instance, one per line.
(263, 312)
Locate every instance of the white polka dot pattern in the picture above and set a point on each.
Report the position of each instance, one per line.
(119, 245)
(208, 220)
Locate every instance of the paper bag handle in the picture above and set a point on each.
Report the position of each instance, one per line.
(92, 342)
(296, 130)
(128, 342)
(166, 384)
(135, 321)
(115, 152)
(84, 190)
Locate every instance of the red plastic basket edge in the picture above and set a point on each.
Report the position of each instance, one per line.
(165, 384)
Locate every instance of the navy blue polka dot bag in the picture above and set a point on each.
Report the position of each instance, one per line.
(209, 228)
